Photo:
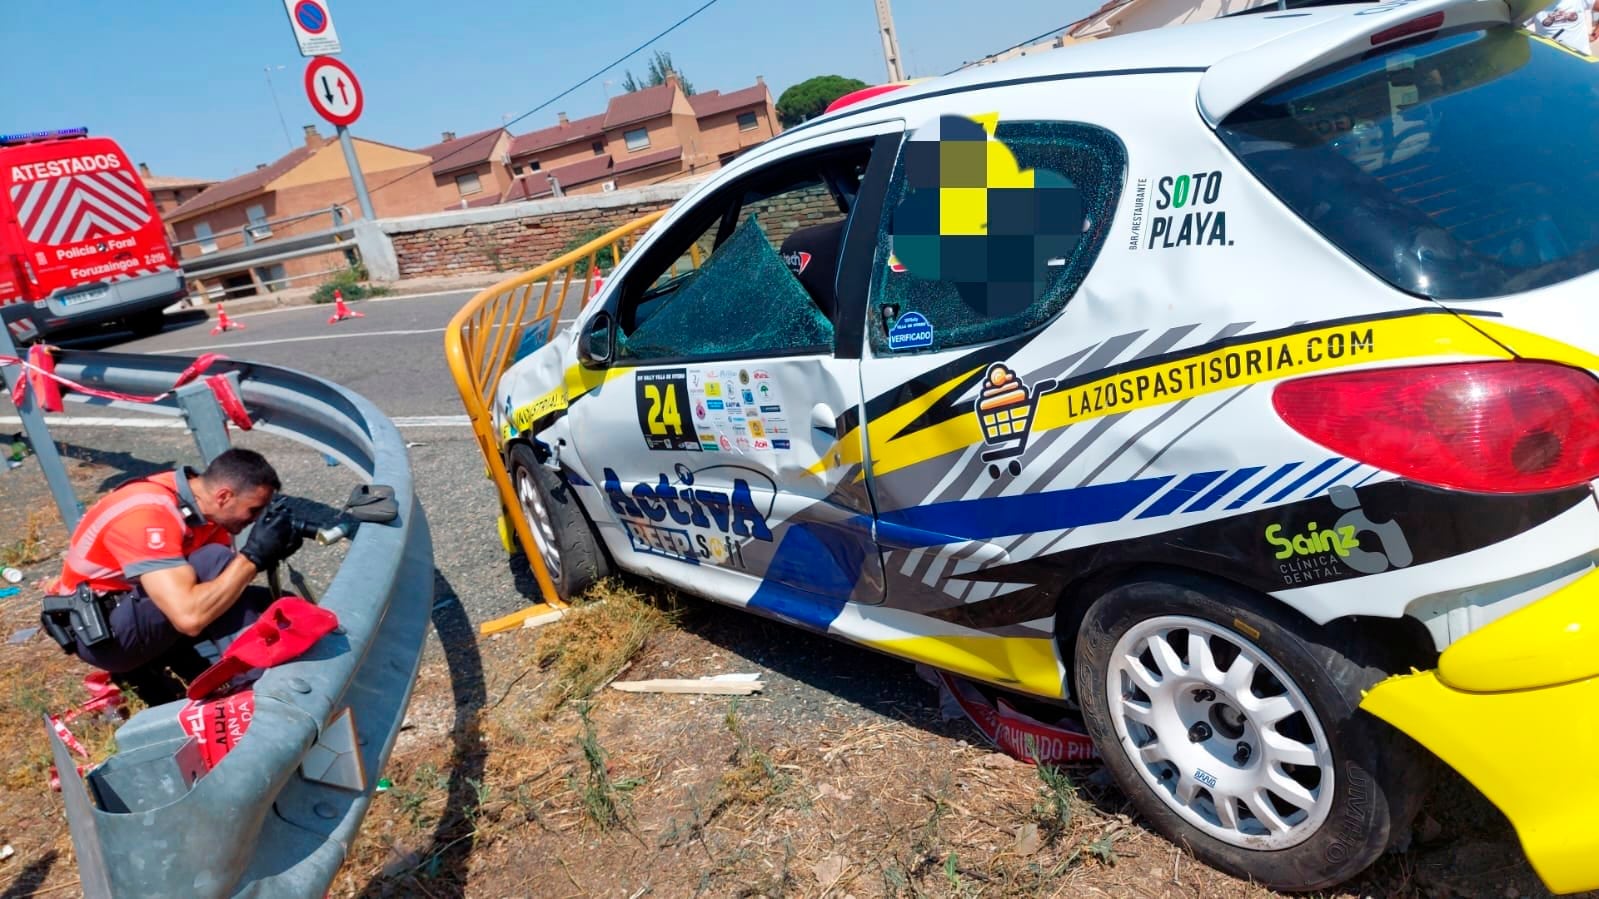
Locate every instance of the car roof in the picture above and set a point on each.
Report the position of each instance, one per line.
(1243, 55)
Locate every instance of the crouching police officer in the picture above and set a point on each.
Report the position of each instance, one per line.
(151, 571)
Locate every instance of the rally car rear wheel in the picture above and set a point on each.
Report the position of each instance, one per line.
(1238, 734)
(566, 541)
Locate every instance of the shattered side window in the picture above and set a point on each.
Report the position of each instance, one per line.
(991, 227)
(744, 301)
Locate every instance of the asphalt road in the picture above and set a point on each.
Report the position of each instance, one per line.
(394, 356)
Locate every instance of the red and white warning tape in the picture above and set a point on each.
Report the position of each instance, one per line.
(103, 696)
(39, 374)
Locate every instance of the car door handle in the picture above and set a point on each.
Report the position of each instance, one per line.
(824, 419)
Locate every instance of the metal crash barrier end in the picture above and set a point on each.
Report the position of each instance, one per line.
(150, 820)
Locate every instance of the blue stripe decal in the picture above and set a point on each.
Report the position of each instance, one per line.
(811, 610)
(827, 557)
(1303, 479)
(1222, 489)
(1255, 491)
(1002, 516)
(1180, 494)
(1336, 478)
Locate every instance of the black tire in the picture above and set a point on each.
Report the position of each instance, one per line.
(146, 324)
(581, 557)
(1379, 776)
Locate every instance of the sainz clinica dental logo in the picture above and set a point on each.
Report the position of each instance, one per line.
(1316, 553)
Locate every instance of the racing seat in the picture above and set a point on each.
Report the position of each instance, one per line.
(811, 254)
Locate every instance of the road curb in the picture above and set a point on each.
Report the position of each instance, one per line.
(399, 289)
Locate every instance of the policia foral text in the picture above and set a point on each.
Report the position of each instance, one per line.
(151, 571)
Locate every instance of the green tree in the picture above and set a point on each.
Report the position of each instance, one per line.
(807, 99)
(660, 66)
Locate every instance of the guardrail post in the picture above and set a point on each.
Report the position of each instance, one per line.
(377, 251)
(44, 448)
(204, 416)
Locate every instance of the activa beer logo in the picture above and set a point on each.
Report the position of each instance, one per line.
(1317, 554)
(689, 523)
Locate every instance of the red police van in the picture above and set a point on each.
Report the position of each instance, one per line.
(81, 241)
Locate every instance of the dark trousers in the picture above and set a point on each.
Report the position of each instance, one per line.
(148, 654)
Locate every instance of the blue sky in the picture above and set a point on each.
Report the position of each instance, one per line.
(181, 85)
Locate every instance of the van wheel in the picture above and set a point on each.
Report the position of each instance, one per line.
(1236, 731)
(146, 324)
(570, 548)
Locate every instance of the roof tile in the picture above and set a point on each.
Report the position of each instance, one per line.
(643, 104)
(462, 152)
(556, 135)
(242, 186)
(715, 102)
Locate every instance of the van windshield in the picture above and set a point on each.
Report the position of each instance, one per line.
(1457, 168)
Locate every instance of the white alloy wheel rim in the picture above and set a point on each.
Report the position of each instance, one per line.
(538, 521)
(1220, 733)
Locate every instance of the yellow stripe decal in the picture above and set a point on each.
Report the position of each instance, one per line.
(1311, 351)
(1022, 663)
(578, 381)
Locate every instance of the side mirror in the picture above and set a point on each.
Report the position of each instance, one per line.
(594, 344)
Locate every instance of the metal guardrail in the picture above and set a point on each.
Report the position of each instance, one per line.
(252, 231)
(254, 825)
(482, 339)
(256, 253)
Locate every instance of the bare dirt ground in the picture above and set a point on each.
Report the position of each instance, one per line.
(518, 773)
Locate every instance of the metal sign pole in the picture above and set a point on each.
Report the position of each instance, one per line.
(355, 174)
(55, 473)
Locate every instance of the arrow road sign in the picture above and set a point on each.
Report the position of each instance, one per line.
(334, 92)
(313, 27)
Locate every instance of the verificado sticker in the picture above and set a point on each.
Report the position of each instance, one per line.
(911, 331)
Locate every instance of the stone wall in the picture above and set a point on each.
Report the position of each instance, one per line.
(518, 236)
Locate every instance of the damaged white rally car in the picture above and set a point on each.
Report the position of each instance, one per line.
(1234, 382)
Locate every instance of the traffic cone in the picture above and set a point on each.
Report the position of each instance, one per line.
(341, 311)
(224, 323)
(598, 283)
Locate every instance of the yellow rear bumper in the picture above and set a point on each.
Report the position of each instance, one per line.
(1514, 708)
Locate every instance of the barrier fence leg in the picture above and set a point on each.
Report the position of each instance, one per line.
(206, 421)
(55, 473)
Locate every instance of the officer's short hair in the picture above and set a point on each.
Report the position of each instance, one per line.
(242, 470)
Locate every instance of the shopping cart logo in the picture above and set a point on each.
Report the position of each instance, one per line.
(1005, 409)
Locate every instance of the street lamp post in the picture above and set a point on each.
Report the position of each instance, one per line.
(273, 91)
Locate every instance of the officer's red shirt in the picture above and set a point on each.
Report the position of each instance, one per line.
(134, 530)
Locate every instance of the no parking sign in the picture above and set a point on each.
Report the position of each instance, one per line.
(313, 27)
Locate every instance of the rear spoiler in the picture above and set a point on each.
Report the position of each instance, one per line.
(1244, 76)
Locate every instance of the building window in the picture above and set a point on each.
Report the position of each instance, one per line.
(202, 233)
(746, 121)
(533, 166)
(468, 184)
(258, 222)
(598, 147)
(637, 139)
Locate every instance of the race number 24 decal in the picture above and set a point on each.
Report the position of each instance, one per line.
(665, 416)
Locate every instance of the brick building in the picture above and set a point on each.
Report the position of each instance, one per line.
(644, 137)
(170, 192)
(473, 170)
(309, 179)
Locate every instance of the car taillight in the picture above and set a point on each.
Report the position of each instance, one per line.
(1490, 427)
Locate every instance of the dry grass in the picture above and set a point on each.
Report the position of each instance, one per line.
(593, 642)
(34, 545)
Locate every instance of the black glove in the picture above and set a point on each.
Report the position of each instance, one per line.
(273, 538)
